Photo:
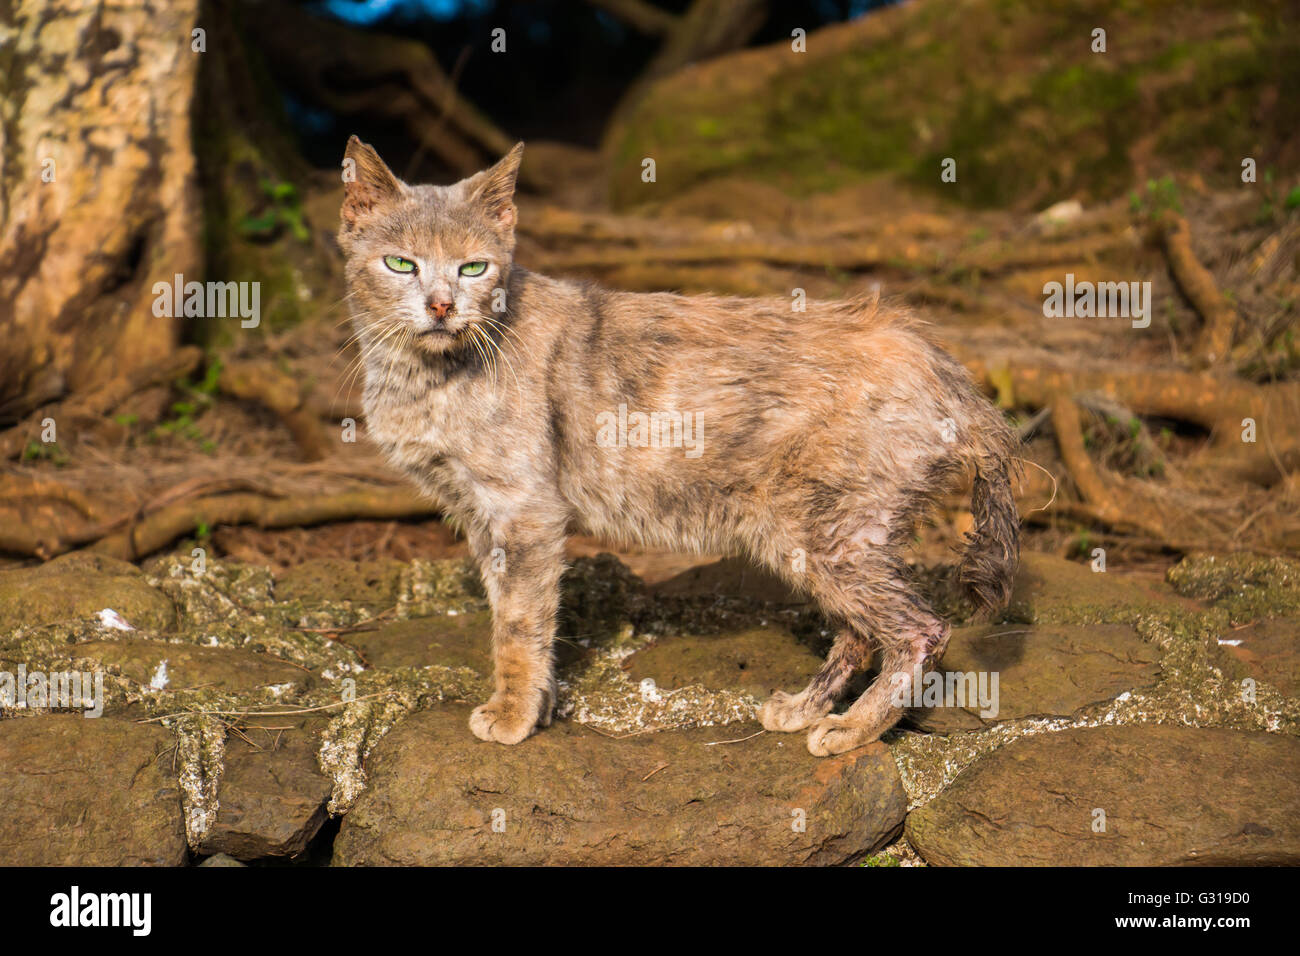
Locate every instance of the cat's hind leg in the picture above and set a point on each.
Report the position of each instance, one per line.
(787, 713)
(911, 637)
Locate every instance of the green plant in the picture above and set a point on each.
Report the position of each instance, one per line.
(1160, 195)
(186, 411)
(45, 451)
(282, 209)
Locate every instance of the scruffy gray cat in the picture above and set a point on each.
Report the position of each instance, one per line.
(819, 438)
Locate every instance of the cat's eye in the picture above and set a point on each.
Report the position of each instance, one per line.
(473, 268)
(398, 264)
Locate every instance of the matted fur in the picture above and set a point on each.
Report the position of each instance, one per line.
(824, 435)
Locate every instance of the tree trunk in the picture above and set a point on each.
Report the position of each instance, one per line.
(97, 198)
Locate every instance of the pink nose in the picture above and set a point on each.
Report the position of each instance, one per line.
(441, 309)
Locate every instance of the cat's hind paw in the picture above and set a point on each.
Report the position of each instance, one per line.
(836, 735)
(786, 713)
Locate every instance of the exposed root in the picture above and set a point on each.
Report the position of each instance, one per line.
(1220, 318)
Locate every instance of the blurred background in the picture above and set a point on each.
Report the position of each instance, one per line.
(794, 146)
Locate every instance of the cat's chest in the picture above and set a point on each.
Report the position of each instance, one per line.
(414, 433)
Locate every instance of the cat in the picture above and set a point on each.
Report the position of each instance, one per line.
(820, 438)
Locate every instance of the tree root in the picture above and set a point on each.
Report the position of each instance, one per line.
(163, 527)
(1217, 403)
(1108, 503)
(847, 255)
(1215, 342)
(102, 400)
(282, 393)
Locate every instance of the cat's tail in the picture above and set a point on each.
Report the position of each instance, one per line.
(992, 553)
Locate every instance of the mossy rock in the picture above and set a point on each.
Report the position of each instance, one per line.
(1170, 796)
(1247, 586)
(76, 587)
(756, 661)
(373, 585)
(216, 669)
(1011, 91)
(1051, 589)
(1053, 670)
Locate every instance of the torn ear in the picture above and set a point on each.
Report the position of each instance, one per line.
(494, 188)
(367, 182)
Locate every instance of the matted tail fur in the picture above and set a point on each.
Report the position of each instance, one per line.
(993, 549)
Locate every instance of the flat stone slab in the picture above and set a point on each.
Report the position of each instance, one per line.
(729, 577)
(1269, 650)
(1048, 588)
(1171, 795)
(190, 666)
(272, 794)
(78, 586)
(754, 660)
(88, 792)
(438, 796)
(1052, 670)
(458, 640)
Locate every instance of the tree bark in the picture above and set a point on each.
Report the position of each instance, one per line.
(97, 197)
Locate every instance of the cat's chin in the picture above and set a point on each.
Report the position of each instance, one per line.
(435, 341)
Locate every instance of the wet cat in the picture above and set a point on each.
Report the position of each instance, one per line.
(811, 441)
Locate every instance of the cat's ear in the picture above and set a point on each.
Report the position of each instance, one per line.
(494, 188)
(367, 181)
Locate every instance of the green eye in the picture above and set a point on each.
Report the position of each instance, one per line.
(473, 268)
(398, 264)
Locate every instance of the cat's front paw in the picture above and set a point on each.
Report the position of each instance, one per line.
(504, 719)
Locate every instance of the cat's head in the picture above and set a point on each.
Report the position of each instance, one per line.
(425, 262)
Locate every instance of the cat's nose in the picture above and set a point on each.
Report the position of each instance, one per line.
(441, 309)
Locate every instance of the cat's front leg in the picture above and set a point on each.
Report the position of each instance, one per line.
(521, 564)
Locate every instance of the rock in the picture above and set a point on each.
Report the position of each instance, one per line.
(370, 584)
(1269, 652)
(795, 121)
(1048, 588)
(571, 796)
(730, 577)
(88, 792)
(270, 801)
(1067, 210)
(651, 565)
(1052, 670)
(756, 661)
(459, 640)
(219, 669)
(78, 586)
(220, 859)
(1171, 795)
